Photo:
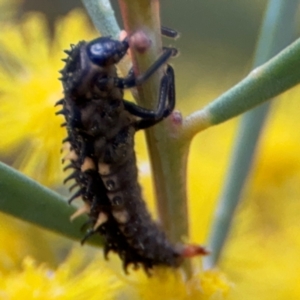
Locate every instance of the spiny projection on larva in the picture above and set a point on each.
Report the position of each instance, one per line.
(100, 138)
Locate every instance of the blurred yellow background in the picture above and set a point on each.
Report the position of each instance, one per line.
(218, 38)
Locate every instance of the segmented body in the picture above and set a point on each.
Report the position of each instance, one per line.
(101, 127)
(101, 137)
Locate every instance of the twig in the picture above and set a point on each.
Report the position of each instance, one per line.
(265, 82)
(26, 199)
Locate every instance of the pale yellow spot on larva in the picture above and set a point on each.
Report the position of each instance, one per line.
(85, 209)
(121, 216)
(102, 218)
(88, 164)
(104, 169)
(66, 147)
(71, 156)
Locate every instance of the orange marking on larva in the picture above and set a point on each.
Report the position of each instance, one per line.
(122, 35)
(85, 209)
(121, 216)
(194, 250)
(102, 218)
(88, 164)
(104, 169)
(65, 147)
(71, 156)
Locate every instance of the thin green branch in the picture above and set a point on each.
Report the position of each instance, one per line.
(168, 158)
(265, 82)
(103, 17)
(145, 15)
(277, 32)
(26, 199)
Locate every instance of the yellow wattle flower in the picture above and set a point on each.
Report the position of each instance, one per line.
(73, 279)
(76, 278)
(29, 89)
(19, 239)
(169, 284)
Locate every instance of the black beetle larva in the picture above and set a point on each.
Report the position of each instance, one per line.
(101, 127)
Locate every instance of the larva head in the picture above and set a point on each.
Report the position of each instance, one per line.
(105, 51)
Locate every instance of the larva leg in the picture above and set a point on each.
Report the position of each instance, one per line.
(132, 81)
(168, 32)
(90, 232)
(165, 105)
(166, 101)
(174, 50)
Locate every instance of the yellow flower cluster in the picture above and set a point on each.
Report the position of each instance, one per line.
(72, 280)
(78, 279)
(170, 284)
(29, 90)
(262, 253)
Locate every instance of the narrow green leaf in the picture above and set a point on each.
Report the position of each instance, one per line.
(26, 199)
(281, 73)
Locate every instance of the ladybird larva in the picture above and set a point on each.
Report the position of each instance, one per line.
(101, 127)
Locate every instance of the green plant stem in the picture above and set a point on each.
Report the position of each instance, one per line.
(27, 200)
(144, 15)
(103, 17)
(167, 155)
(170, 193)
(269, 80)
(276, 33)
